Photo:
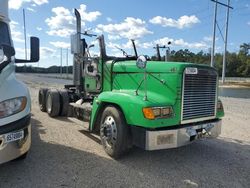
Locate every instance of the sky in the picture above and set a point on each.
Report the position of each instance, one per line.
(187, 24)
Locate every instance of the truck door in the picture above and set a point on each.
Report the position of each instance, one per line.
(92, 75)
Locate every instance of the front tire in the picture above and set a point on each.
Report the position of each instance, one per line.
(114, 132)
(22, 157)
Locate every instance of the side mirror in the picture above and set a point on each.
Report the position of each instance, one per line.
(34, 47)
(34, 51)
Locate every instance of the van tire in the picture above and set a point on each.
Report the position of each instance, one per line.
(22, 157)
(114, 132)
(42, 99)
(53, 103)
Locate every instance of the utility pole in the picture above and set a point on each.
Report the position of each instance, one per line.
(226, 34)
(163, 47)
(225, 45)
(67, 61)
(61, 64)
(24, 30)
(214, 33)
(25, 39)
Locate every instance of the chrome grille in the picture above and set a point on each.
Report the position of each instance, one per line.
(199, 94)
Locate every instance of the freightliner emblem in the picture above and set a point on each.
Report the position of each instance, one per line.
(191, 70)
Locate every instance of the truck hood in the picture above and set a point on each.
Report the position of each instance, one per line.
(153, 67)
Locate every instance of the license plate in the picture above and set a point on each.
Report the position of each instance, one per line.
(11, 137)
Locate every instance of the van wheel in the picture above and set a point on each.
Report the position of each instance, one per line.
(42, 99)
(22, 157)
(53, 103)
(114, 132)
(64, 100)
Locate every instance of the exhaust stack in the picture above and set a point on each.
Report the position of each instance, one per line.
(78, 56)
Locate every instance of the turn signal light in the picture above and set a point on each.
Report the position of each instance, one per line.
(157, 112)
(148, 113)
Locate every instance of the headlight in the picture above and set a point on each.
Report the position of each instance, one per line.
(12, 106)
(157, 112)
(219, 106)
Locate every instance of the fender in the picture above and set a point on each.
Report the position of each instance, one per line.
(130, 104)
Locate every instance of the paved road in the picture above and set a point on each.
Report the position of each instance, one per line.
(63, 155)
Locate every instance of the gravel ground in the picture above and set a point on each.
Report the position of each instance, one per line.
(63, 155)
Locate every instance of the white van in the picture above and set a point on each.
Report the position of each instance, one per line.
(15, 103)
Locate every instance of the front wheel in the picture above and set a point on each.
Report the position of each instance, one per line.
(114, 132)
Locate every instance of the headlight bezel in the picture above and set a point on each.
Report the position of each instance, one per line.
(153, 113)
(12, 106)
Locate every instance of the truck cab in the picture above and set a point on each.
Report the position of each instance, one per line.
(15, 102)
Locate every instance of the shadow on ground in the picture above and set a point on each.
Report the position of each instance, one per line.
(210, 163)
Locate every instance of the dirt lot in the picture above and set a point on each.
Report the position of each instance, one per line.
(63, 155)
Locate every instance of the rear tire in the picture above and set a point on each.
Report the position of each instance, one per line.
(114, 132)
(42, 99)
(64, 100)
(53, 103)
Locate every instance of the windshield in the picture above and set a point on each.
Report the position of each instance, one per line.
(4, 34)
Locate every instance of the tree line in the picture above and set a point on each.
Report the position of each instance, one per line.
(237, 64)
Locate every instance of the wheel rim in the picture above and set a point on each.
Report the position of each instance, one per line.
(108, 132)
(49, 104)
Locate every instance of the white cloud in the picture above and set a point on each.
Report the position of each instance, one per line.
(109, 19)
(16, 35)
(31, 9)
(182, 22)
(63, 22)
(59, 44)
(39, 29)
(131, 28)
(17, 4)
(146, 45)
(209, 38)
(182, 43)
(88, 16)
(114, 37)
(14, 4)
(40, 2)
(20, 53)
(248, 23)
(46, 52)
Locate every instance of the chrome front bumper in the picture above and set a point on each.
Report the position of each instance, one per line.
(173, 138)
(12, 150)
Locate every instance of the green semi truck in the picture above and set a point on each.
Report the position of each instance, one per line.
(133, 101)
